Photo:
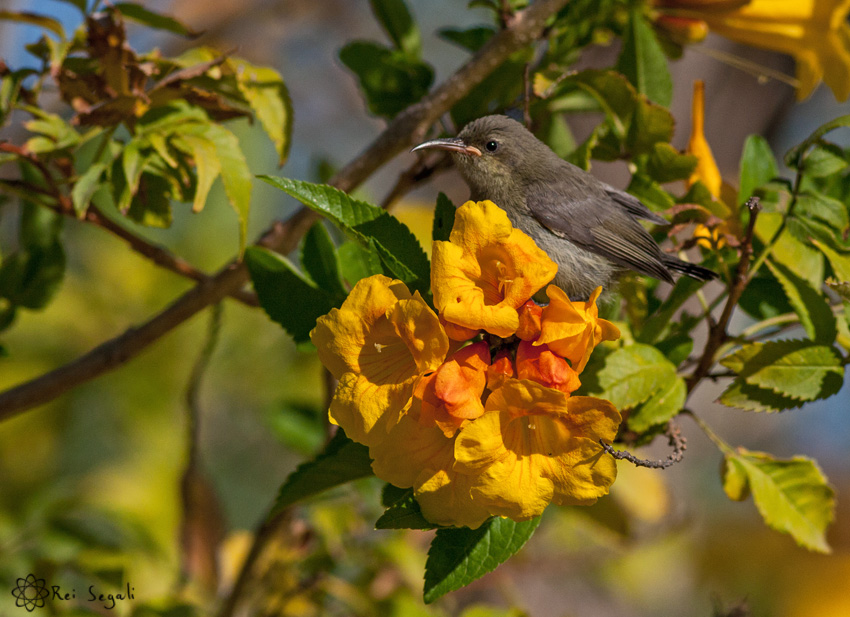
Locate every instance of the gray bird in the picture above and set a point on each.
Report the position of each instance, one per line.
(590, 229)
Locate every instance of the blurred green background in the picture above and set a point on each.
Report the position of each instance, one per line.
(89, 484)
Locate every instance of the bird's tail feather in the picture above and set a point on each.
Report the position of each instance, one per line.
(692, 270)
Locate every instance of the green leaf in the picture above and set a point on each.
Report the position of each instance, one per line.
(144, 16)
(320, 262)
(795, 369)
(824, 208)
(30, 277)
(641, 378)
(151, 205)
(794, 155)
(86, 186)
(811, 307)
(764, 298)
(403, 513)
(650, 124)
(660, 320)
(341, 462)
(34, 19)
(286, 296)
(758, 166)
(299, 427)
(268, 97)
(824, 161)
(459, 556)
(471, 39)
(398, 23)
(840, 262)
(205, 155)
(650, 192)
(792, 496)
(235, 175)
(390, 79)
(397, 246)
(357, 262)
(666, 164)
(643, 62)
(496, 92)
(444, 219)
(792, 253)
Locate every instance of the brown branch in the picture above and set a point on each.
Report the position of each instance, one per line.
(413, 175)
(717, 334)
(674, 437)
(404, 131)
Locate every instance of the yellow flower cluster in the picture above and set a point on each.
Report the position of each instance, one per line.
(478, 426)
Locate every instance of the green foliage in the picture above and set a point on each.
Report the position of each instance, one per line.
(340, 462)
(640, 378)
(791, 495)
(289, 299)
(781, 374)
(459, 556)
(643, 62)
(382, 234)
(444, 218)
(758, 167)
(402, 511)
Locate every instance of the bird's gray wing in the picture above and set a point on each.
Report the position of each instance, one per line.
(633, 205)
(593, 222)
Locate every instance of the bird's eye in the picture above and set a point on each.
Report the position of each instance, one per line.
(492, 146)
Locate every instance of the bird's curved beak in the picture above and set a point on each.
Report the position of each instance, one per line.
(452, 144)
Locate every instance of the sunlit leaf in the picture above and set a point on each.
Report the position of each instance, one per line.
(34, 19)
(86, 186)
(395, 18)
(812, 308)
(792, 495)
(459, 556)
(758, 166)
(340, 462)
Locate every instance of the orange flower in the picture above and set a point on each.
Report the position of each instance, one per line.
(538, 363)
(451, 396)
(534, 446)
(529, 321)
(573, 329)
(377, 344)
(487, 270)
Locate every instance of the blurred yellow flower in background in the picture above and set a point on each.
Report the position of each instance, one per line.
(814, 32)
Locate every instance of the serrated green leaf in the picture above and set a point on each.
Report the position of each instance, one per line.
(341, 462)
(840, 262)
(145, 16)
(796, 369)
(663, 404)
(811, 307)
(643, 61)
(286, 296)
(792, 496)
(824, 208)
(764, 298)
(396, 246)
(357, 262)
(792, 253)
(633, 374)
(320, 262)
(268, 96)
(444, 219)
(86, 186)
(395, 18)
(823, 161)
(758, 166)
(390, 79)
(403, 513)
(459, 556)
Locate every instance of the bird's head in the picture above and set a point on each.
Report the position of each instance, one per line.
(493, 154)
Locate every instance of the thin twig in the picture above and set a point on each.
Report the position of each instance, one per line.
(717, 334)
(674, 437)
(405, 130)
